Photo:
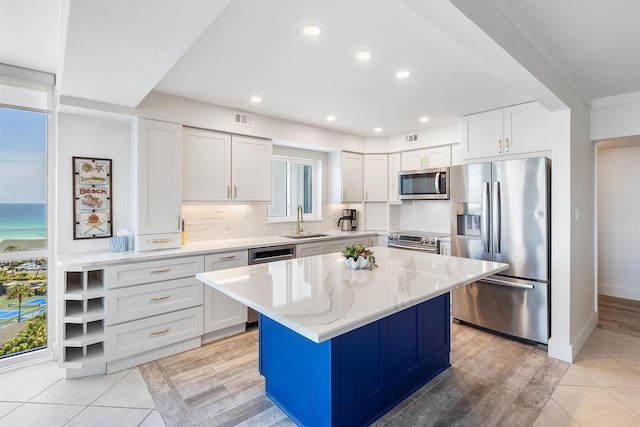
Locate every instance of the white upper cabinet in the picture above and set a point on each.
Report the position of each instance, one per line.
(158, 153)
(394, 167)
(456, 158)
(436, 157)
(206, 166)
(221, 311)
(376, 177)
(513, 130)
(346, 177)
(251, 160)
(220, 167)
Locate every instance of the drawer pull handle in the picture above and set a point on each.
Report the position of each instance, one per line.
(164, 270)
(160, 241)
(160, 298)
(227, 257)
(160, 332)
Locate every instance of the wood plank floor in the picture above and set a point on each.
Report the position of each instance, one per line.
(619, 315)
(492, 381)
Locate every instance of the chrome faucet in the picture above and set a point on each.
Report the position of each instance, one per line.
(299, 220)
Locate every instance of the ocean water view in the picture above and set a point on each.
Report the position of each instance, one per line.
(23, 221)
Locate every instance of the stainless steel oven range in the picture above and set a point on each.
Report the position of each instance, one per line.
(416, 240)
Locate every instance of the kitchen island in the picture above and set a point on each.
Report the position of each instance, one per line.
(341, 347)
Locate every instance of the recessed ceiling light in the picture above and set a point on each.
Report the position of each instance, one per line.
(363, 56)
(311, 30)
(403, 74)
(377, 130)
(256, 99)
(331, 118)
(424, 119)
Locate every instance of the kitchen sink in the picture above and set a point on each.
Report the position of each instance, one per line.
(305, 235)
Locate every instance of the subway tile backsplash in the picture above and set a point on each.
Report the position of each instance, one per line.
(207, 222)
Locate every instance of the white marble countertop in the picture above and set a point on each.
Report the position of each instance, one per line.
(196, 248)
(320, 297)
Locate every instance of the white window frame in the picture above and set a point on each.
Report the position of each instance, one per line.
(316, 186)
(30, 79)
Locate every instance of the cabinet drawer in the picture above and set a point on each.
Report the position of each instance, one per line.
(153, 271)
(137, 302)
(309, 249)
(336, 245)
(149, 242)
(135, 337)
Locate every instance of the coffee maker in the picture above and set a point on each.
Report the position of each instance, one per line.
(348, 220)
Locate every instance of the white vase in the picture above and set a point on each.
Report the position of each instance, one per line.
(362, 262)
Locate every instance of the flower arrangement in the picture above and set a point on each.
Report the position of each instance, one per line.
(357, 256)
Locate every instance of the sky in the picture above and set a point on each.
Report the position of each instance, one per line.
(23, 166)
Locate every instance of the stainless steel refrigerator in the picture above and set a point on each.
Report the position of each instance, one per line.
(500, 211)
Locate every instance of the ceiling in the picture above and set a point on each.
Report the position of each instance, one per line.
(224, 52)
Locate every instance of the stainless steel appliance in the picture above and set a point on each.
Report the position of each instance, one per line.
(348, 220)
(500, 212)
(423, 184)
(264, 255)
(416, 240)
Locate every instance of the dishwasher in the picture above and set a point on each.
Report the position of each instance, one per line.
(268, 254)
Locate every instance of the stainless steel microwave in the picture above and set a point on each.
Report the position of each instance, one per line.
(424, 184)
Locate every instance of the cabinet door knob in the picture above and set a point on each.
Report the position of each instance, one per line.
(235, 191)
(179, 223)
(366, 195)
(222, 258)
(499, 146)
(160, 332)
(228, 192)
(506, 145)
(164, 297)
(163, 270)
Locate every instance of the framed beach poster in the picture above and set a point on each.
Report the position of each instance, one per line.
(92, 210)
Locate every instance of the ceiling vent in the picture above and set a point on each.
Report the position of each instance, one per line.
(410, 139)
(243, 119)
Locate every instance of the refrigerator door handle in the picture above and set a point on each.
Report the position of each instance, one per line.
(484, 225)
(497, 220)
(505, 283)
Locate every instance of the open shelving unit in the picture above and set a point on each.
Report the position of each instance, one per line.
(83, 320)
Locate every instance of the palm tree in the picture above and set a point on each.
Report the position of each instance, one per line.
(19, 291)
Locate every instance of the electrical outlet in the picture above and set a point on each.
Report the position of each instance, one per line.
(226, 222)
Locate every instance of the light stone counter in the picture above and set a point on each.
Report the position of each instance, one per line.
(320, 297)
(104, 258)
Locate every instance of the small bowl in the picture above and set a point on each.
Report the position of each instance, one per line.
(360, 263)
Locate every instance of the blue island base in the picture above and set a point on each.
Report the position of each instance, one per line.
(357, 377)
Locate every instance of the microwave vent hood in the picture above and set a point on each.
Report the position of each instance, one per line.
(424, 184)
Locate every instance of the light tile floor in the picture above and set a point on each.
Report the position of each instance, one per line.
(38, 396)
(601, 388)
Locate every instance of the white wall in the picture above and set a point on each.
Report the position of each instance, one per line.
(84, 136)
(615, 116)
(619, 222)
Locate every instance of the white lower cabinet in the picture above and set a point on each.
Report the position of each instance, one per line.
(153, 310)
(82, 326)
(364, 241)
(336, 245)
(223, 316)
(132, 339)
(310, 249)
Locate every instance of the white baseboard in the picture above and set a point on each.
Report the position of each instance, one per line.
(619, 291)
(568, 352)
